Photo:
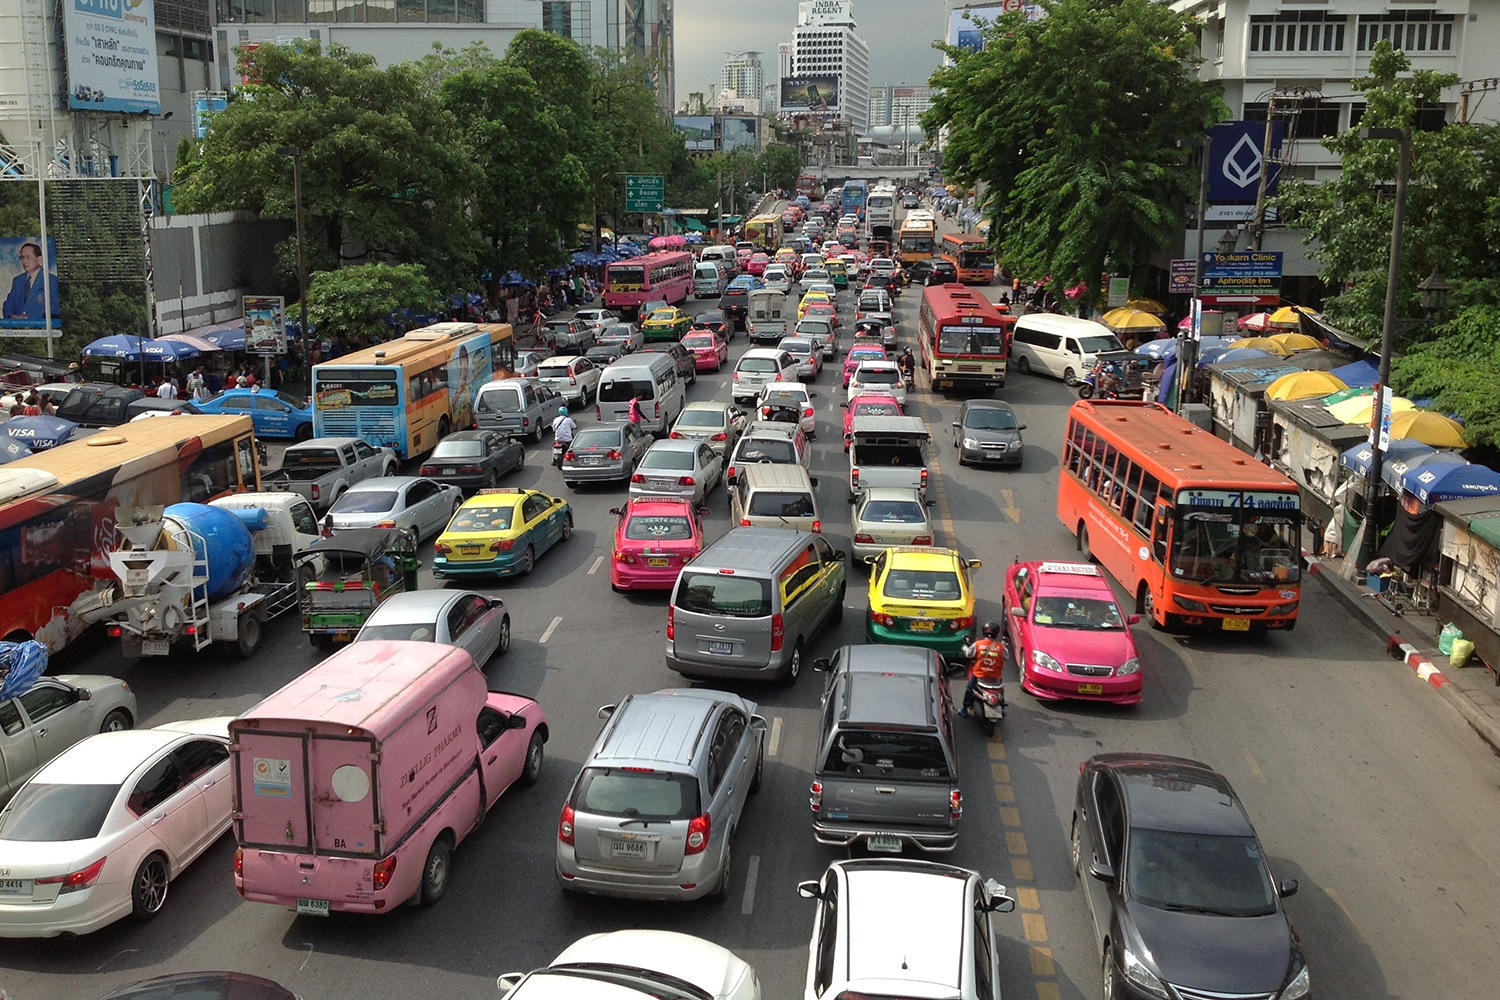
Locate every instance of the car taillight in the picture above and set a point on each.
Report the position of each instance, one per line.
(671, 622)
(239, 861)
(625, 557)
(730, 473)
(84, 878)
(699, 828)
(442, 548)
(817, 527)
(470, 470)
(504, 545)
(384, 869)
(744, 522)
(955, 803)
(854, 477)
(864, 539)
(572, 380)
(719, 437)
(114, 631)
(736, 376)
(316, 491)
(924, 479)
(778, 632)
(567, 456)
(881, 618)
(675, 436)
(815, 796)
(598, 413)
(686, 481)
(427, 470)
(614, 454)
(638, 478)
(967, 621)
(922, 540)
(565, 825)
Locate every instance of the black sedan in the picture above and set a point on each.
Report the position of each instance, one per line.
(474, 459)
(987, 431)
(605, 354)
(932, 271)
(1182, 900)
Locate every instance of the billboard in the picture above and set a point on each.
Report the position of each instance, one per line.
(826, 12)
(740, 133)
(25, 307)
(697, 131)
(809, 93)
(265, 324)
(1236, 160)
(205, 103)
(111, 55)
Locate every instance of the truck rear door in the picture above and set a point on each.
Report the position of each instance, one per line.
(894, 777)
(271, 790)
(343, 796)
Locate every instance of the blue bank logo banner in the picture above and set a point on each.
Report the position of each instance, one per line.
(111, 55)
(1236, 161)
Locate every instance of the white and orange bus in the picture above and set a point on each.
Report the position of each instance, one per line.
(1201, 533)
(58, 509)
(665, 275)
(970, 257)
(964, 339)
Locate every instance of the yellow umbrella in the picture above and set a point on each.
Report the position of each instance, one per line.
(1134, 319)
(1295, 341)
(1301, 385)
(1119, 312)
(1147, 305)
(1263, 344)
(1428, 428)
(1287, 316)
(1357, 410)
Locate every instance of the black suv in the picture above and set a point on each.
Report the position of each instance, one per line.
(932, 271)
(687, 364)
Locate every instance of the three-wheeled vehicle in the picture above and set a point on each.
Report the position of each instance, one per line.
(1115, 375)
(363, 567)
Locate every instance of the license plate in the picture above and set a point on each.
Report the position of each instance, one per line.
(658, 563)
(469, 550)
(922, 626)
(450, 472)
(155, 647)
(588, 461)
(628, 849)
(1091, 689)
(885, 845)
(1236, 624)
(722, 648)
(313, 907)
(15, 887)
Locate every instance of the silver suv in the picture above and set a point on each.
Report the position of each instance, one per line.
(654, 810)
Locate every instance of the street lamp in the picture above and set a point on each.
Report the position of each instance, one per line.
(1368, 543)
(1434, 291)
(296, 155)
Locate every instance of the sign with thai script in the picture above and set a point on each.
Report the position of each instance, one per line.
(111, 48)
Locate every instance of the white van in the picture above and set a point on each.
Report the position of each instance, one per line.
(765, 319)
(721, 253)
(650, 378)
(710, 278)
(1062, 346)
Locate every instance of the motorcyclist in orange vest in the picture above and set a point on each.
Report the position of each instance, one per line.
(986, 661)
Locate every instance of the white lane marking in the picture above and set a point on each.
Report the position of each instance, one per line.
(753, 870)
(775, 737)
(595, 568)
(306, 958)
(551, 628)
(833, 404)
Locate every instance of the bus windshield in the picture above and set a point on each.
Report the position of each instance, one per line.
(971, 340)
(973, 258)
(627, 275)
(1236, 546)
(916, 244)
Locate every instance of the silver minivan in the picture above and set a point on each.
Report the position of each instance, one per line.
(710, 278)
(650, 378)
(751, 602)
(652, 814)
(775, 496)
(517, 406)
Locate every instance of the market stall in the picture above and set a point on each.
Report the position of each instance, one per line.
(1469, 573)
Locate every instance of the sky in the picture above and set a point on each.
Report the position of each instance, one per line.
(899, 32)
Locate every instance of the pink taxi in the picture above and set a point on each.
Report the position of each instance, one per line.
(825, 311)
(858, 355)
(868, 404)
(709, 349)
(1067, 633)
(757, 264)
(655, 537)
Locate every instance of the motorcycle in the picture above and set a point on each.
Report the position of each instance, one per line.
(989, 703)
(558, 449)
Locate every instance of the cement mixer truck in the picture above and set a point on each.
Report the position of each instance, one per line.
(205, 573)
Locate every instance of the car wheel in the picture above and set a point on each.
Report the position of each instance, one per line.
(436, 870)
(304, 432)
(1075, 850)
(503, 646)
(838, 609)
(793, 667)
(115, 722)
(760, 767)
(530, 563)
(567, 531)
(520, 459)
(726, 873)
(148, 892)
(1023, 365)
(534, 756)
(1070, 377)
(1111, 986)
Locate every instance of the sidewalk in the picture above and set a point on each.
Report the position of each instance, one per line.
(1413, 639)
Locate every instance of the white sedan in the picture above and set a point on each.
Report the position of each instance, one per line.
(637, 963)
(788, 393)
(413, 503)
(878, 377)
(100, 832)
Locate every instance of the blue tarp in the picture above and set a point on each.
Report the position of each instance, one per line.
(1361, 374)
(21, 663)
(1360, 456)
(1435, 483)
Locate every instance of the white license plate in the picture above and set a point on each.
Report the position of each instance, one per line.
(588, 461)
(313, 907)
(628, 849)
(723, 648)
(155, 647)
(885, 845)
(15, 887)
(450, 472)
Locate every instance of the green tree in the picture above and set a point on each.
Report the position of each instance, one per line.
(781, 164)
(1070, 125)
(358, 301)
(1459, 371)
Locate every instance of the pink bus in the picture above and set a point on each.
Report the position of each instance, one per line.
(663, 276)
(355, 782)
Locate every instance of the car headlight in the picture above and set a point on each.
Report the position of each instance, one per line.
(1042, 661)
(1283, 609)
(970, 443)
(1188, 604)
(1136, 972)
(1300, 985)
(1130, 666)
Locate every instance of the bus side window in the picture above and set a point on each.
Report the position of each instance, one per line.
(1159, 536)
(1090, 460)
(1109, 483)
(244, 450)
(1131, 476)
(1147, 492)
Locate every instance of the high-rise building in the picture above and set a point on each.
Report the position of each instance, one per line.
(783, 61)
(828, 54)
(743, 74)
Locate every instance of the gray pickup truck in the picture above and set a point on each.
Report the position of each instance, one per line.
(321, 470)
(886, 771)
(888, 451)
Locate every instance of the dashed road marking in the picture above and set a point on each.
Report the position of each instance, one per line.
(1010, 816)
(1254, 767)
(1022, 870)
(1048, 991)
(752, 871)
(1042, 964)
(997, 750)
(1028, 898)
(597, 563)
(775, 741)
(1000, 773)
(550, 629)
(1015, 843)
(1005, 794)
(1035, 926)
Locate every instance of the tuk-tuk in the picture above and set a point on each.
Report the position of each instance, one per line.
(362, 568)
(1115, 375)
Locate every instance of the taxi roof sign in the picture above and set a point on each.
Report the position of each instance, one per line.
(1076, 569)
(498, 489)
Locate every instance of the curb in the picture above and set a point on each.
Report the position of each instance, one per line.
(1419, 662)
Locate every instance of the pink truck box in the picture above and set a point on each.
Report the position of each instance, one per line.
(355, 782)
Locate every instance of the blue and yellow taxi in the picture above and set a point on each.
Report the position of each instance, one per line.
(501, 532)
(921, 595)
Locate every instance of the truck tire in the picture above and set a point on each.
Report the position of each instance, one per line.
(249, 634)
(319, 640)
(435, 871)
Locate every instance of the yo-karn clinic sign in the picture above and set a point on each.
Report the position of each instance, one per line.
(111, 55)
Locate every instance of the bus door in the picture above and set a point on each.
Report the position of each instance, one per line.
(247, 465)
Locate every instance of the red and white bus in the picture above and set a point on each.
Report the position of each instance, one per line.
(1201, 533)
(58, 509)
(666, 275)
(964, 338)
(809, 185)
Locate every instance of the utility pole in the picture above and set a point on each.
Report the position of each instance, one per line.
(1187, 340)
(296, 154)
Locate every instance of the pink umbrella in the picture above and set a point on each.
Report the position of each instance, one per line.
(1186, 323)
(659, 243)
(1259, 322)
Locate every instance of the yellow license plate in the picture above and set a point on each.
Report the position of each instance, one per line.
(1236, 624)
(922, 626)
(1091, 689)
(658, 563)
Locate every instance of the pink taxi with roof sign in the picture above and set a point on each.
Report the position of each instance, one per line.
(858, 355)
(655, 537)
(1067, 634)
(868, 404)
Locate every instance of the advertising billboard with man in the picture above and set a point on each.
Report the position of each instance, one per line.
(809, 93)
(111, 55)
(26, 305)
(740, 133)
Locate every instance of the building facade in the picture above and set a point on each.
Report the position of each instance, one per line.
(899, 105)
(743, 73)
(826, 45)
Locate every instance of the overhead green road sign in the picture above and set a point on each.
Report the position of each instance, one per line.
(644, 193)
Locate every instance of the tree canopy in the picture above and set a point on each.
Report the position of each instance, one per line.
(1069, 126)
(358, 301)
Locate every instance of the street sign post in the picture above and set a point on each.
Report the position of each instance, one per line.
(1182, 277)
(1242, 277)
(1119, 292)
(644, 193)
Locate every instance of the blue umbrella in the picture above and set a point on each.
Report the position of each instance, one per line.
(11, 449)
(1158, 349)
(1395, 471)
(169, 350)
(230, 338)
(1241, 354)
(1433, 483)
(1361, 374)
(1205, 343)
(1360, 456)
(39, 432)
(116, 346)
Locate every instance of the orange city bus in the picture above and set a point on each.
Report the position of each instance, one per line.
(970, 257)
(58, 509)
(1200, 532)
(963, 337)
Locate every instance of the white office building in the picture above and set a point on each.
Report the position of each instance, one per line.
(899, 105)
(825, 45)
(743, 74)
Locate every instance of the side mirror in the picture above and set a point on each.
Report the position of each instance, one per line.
(605, 711)
(853, 500)
(870, 560)
(508, 982)
(956, 423)
(814, 481)
(1020, 427)
(704, 511)
(1132, 619)
(809, 889)
(84, 694)
(841, 555)
(931, 503)
(617, 510)
(973, 563)
(822, 664)
(996, 900)
(844, 406)
(1102, 871)
(1018, 612)
(1286, 887)
(516, 721)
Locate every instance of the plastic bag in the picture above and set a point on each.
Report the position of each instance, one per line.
(1446, 636)
(21, 663)
(1462, 650)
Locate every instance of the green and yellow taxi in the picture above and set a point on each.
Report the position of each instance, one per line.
(670, 323)
(921, 595)
(838, 273)
(501, 532)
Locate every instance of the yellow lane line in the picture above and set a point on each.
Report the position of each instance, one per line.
(1253, 765)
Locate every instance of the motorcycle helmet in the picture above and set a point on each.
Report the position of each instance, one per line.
(991, 630)
(562, 411)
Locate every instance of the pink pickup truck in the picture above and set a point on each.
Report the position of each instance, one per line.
(355, 782)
